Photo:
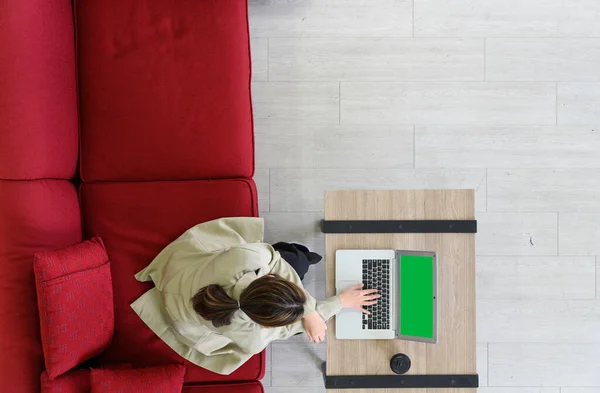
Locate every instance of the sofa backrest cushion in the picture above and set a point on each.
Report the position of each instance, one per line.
(164, 90)
(35, 216)
(38, 97)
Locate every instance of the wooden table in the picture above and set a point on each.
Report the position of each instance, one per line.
(455, 351)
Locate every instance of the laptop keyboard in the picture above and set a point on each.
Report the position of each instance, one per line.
(376, 275)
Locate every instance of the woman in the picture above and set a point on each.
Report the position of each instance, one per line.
(221, 295)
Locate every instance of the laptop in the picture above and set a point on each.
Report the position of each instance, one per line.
(407, 283)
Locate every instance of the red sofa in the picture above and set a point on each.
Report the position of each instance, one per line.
(129, 120)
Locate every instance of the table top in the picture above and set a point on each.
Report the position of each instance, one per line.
(455, 351)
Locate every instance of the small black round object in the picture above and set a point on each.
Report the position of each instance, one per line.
(400, 363)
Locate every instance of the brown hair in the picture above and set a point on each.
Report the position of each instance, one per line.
(269, 301)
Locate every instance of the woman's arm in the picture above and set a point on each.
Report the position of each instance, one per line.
(326, 308)
(354, 297)
(315, 312)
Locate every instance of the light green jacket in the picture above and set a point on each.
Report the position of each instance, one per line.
(229, 252)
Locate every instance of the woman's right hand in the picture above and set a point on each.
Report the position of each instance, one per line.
(357, 297)
(315, 327)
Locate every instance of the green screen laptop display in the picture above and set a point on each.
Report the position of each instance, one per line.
(417, 296)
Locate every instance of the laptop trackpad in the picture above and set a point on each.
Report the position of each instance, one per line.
(349, 321)
(345, 284)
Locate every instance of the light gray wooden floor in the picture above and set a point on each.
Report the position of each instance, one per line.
(498, 95)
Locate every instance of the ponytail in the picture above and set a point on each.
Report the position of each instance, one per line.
(214, 304)
(269, 301)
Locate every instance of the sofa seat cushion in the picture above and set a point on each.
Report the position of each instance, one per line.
(75, 303)
(164, 90)
(158, 379)
(248, 387)
(136, 221)
(35, 216)
(38, 95)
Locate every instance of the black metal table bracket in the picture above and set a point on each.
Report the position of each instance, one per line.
(399, 226)
(399, 381)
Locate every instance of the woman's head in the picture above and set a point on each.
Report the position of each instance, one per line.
(269, 301)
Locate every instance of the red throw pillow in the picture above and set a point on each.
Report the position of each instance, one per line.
(161, 379)
(75, 303)
(75, 381)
